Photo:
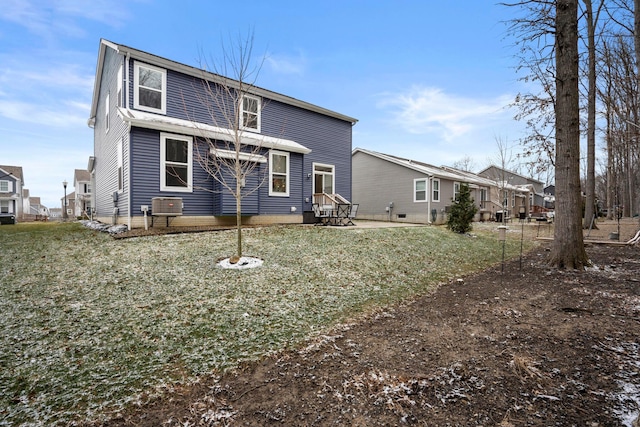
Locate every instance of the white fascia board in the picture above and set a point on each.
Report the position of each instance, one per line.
(170, 124)
(228, 154)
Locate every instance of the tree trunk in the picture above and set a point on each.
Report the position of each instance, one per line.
(239, 207)
(589, 208)
(636, 42)
(568, 245)
(610, 165)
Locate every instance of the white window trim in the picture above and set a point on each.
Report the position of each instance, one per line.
(286, 155)
(433, 198)
(163, 163)
(119, 87)
(8, 190)
(136, 92)
(106, 113)
(456, 190)
(426, 190)
(259, 114)
(333, 176)
(9, 206)
(120, 170)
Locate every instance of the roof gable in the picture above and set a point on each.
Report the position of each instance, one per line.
(194, 72)
(15, 171)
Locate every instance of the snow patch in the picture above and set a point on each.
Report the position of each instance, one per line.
(111, 229)
(242, 264)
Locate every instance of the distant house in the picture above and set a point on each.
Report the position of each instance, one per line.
(37, 211)
(68, 205)
(535, 202)
(55, 213)
(149, 120)
(391, 188)
(26, 203)
(82, 186)
(11, 186)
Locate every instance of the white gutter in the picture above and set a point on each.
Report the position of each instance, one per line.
(185, 127)
(430, 190)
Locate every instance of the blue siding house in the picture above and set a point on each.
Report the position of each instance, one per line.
(11, 194)
(153, 118)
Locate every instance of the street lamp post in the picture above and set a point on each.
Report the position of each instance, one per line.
(64, 204)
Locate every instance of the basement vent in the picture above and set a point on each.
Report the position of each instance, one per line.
(167, 206)
(402, 216)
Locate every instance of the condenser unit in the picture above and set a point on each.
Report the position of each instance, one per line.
(166, 206)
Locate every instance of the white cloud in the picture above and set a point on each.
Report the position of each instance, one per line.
(425, 110)
(52, 18)
(69, 117)
(284, 64)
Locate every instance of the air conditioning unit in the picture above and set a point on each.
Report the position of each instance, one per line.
(169, 206)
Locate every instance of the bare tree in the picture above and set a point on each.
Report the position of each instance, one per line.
(568, 245)
(228, 153)
(592, 20)
(466, 164)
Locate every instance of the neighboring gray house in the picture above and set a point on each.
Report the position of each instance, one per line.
(11, 186)
(149, 120)
(391, 188)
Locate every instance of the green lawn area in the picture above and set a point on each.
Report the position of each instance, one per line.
(89, 323)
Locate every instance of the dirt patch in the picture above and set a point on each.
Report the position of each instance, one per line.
(529, 346)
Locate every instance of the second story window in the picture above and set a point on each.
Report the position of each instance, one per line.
(150, 88)
(250, 113)
(4, 186)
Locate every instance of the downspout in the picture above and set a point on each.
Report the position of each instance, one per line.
(126, 91)
(429, 194)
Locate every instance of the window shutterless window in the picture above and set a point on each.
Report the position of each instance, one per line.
(278, 173)
(419, 190)
(106, 114)
(150, 88)
(4, 186)
(435, 192)
(120, 171)
(119, 87)
(176, 163)
(4, 206)
(250, 113)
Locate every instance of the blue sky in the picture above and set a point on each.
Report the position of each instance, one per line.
(427, 79)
